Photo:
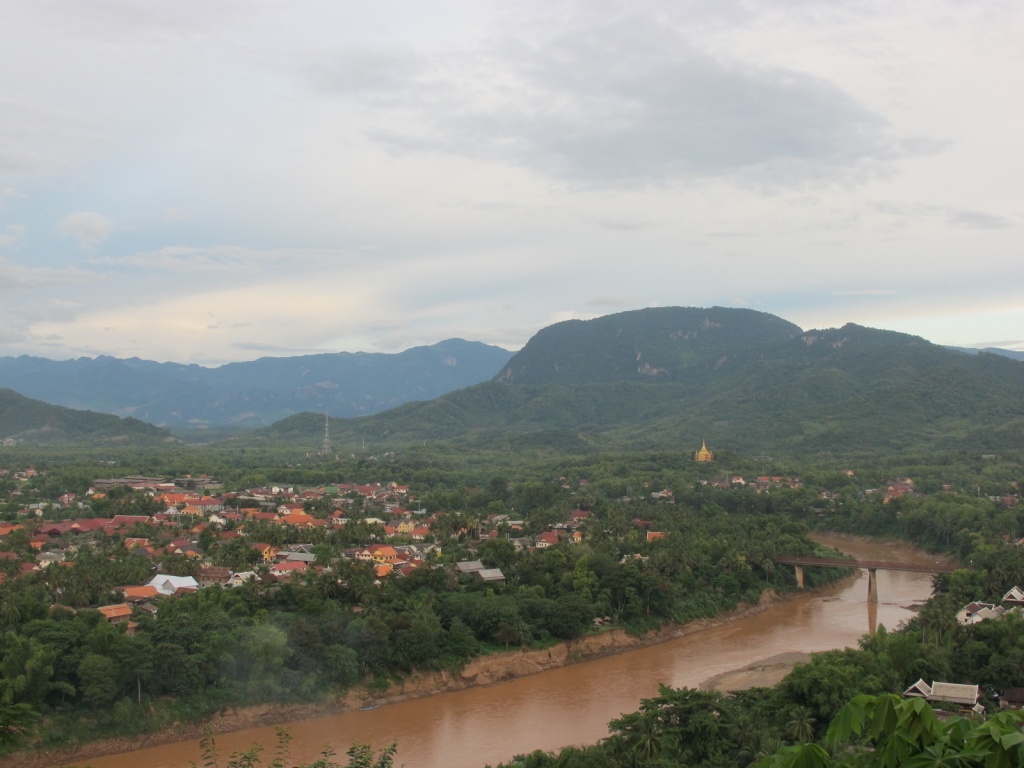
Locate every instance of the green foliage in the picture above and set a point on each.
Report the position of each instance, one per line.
(359, 756)
(17, 723)
(889, 732)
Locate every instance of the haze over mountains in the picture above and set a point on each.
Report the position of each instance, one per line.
(658, 378)
(256, 393)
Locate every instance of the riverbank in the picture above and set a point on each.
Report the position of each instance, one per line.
(483, 671)
(765, 673)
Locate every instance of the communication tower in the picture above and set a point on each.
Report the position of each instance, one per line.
(325, 447)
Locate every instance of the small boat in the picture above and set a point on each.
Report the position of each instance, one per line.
(367, 709)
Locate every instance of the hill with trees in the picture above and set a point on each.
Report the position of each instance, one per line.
(748, 381)
(27, 421)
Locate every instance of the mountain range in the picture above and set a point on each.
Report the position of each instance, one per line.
(256, 393)
(667, 378)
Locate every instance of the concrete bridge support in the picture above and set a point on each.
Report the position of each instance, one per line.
(799, 576)
(872, 586)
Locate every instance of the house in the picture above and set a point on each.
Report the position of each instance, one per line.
(547, 539)
(46, 559)
(469, 566)
(1012, 698)
(139, 594)
(493, 575)
(1014, 597)
(212, 576)
(379, 553)
(185, 548)
(118, 522)
(55, 529)
(6, 528)
(288, 569)
(963, 696)
(267, 551)
(297, 557)
(238, 579)
(116, 614)
(975, 612)
(120, 613)
(168, 585)
(404, 569)
(302, 520)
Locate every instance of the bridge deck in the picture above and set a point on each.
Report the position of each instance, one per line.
(880, 565)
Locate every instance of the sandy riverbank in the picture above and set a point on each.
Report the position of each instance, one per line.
(486, 670)
(761, 674)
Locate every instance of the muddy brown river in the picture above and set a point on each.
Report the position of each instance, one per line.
(572, 705)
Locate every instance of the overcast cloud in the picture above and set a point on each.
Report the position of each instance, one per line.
(211, 182)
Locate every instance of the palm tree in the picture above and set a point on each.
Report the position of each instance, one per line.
(800, 727)
(648, 740)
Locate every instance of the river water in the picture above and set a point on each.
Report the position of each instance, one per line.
(572, 705)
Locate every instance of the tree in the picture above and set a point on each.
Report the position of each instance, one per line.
(97, 676)
(17, 721)
(363, 756)
(800, 726)
(27, 671)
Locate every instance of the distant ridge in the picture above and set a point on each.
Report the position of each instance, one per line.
(256, 393)
(1011, 353)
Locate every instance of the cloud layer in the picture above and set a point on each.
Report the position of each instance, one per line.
(206, 184)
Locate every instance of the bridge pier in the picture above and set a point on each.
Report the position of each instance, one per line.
(872, 586)
(871, 566)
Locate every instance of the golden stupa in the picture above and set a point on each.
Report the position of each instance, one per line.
(703, 454)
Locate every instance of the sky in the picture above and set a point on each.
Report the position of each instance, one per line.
(207, 182)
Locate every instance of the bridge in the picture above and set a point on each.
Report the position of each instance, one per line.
(801, 562)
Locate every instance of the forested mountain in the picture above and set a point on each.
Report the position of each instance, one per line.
(23, 420)
(664, 344)
(745, 380)
(254, 393)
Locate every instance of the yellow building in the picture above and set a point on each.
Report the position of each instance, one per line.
(703, 454)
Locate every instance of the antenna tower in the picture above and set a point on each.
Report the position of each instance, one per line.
(325, 447)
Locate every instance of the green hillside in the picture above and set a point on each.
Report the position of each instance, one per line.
(663, 344)
(663, 378)
(27, 421)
